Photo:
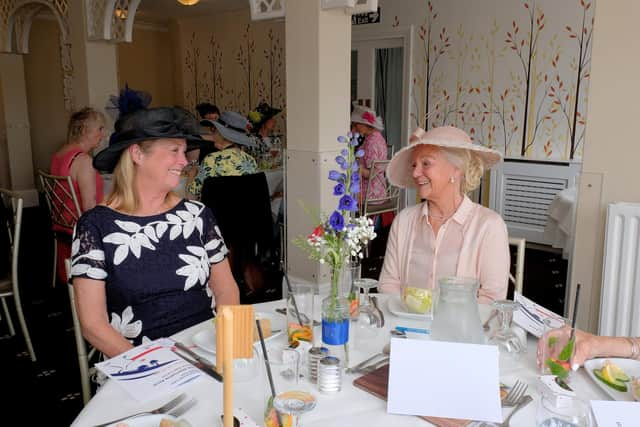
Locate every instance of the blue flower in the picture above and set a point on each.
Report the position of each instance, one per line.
(359, 153)
(337, 176)
(342, 139)
(355, 166)
(354, 188)
(348, 203)
(338, 190)
(342, 162)
(349, 135)
(336, 221)
(344, 152)
(355, 178)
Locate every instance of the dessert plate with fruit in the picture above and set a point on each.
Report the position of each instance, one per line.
(619, 378)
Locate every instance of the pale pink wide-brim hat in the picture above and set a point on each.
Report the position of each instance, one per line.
(399, 170)
(366, 116)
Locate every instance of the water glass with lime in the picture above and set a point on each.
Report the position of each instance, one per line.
(557, 348)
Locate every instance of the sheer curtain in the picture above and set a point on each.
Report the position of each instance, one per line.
(388, 89)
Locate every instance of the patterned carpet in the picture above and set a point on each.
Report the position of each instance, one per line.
(51, 385)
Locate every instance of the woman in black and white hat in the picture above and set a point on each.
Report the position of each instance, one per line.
(229, 132)
(146, 262)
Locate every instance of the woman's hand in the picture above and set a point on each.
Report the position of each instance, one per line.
(585, 346)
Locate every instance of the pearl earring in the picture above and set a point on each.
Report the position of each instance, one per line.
(452, 179)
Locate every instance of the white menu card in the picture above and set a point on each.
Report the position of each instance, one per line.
(444, 379)
(150, 370)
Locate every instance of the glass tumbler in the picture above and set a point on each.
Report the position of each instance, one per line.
(300, 314)
(562, 411)
(557, 349)
(504, 336)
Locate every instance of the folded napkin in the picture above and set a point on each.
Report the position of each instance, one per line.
(377, 383)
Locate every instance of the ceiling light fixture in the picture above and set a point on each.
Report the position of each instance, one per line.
(188, 2)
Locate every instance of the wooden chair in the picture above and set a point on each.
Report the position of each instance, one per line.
(11, 214)
(520, 244)
(84, 356)
(59, 192)
(388, 202)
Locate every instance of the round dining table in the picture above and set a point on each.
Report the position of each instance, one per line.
(349, 407)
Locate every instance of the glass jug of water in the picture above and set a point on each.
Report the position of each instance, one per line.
(457, 318)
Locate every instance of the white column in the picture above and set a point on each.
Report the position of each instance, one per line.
(95, 64)
(16, 119)
(318, 47)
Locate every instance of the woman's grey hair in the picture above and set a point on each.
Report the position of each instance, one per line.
(469, 164)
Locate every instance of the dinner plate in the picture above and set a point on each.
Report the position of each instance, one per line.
(206, 338)
(397, 308)
(629, 366)
(149, 421)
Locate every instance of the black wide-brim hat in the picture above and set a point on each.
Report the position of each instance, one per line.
(147, 124)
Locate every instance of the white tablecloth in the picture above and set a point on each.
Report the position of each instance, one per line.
(350, 407)
(561, 221)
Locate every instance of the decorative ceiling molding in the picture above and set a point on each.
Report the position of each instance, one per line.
(111, 20)
(352, 6)
(267, 9)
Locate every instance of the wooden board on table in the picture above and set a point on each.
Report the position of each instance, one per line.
(377, 383)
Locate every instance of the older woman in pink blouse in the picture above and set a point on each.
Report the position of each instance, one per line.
(447, 234)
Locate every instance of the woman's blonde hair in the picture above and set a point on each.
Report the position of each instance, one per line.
(79, 121)
(123, 196)
(469, 164)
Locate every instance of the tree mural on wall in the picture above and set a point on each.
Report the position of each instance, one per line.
(566, 99)
(191, 60)
(215, 68)
(434, 47)
(525, 47)
(244, 58)
(272, 83)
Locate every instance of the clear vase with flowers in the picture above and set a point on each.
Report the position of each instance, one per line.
(339, 237)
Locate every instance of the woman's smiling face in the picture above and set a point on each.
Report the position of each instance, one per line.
(432, 173)
(164, 161)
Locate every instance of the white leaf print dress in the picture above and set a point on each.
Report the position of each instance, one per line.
(156, 268)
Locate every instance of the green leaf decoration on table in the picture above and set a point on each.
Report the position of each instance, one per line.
(567, 351)
(557, 369)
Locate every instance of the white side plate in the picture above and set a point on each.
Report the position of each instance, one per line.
(397, 308)
(629, 366)
(206, 339)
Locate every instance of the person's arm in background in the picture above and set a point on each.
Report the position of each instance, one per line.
(494, 261)
(84, 174)
(389, 281)
(91, 304)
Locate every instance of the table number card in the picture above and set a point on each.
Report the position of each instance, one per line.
(443, 379)
(616, 414)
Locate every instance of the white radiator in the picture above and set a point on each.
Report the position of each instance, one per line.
(521, 191)
(620, 301)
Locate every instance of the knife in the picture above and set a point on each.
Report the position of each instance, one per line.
(199, 362)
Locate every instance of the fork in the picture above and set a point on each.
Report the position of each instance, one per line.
(515, 394)
(181, 410)
(160, 410)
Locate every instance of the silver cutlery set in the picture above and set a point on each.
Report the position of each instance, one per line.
(174, 408)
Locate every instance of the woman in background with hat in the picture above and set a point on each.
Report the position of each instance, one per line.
(229, 132)
(447, 234)
(367, 124)
(263, 123)
(146, 262)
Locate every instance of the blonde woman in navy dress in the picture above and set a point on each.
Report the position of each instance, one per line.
(146, 263)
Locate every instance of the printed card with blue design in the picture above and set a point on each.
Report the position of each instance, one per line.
(150, 370)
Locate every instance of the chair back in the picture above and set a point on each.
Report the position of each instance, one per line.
(374, 204)
(242, 208)
(84, 357)
(62, 199)
(518, 279)
(11, 212)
